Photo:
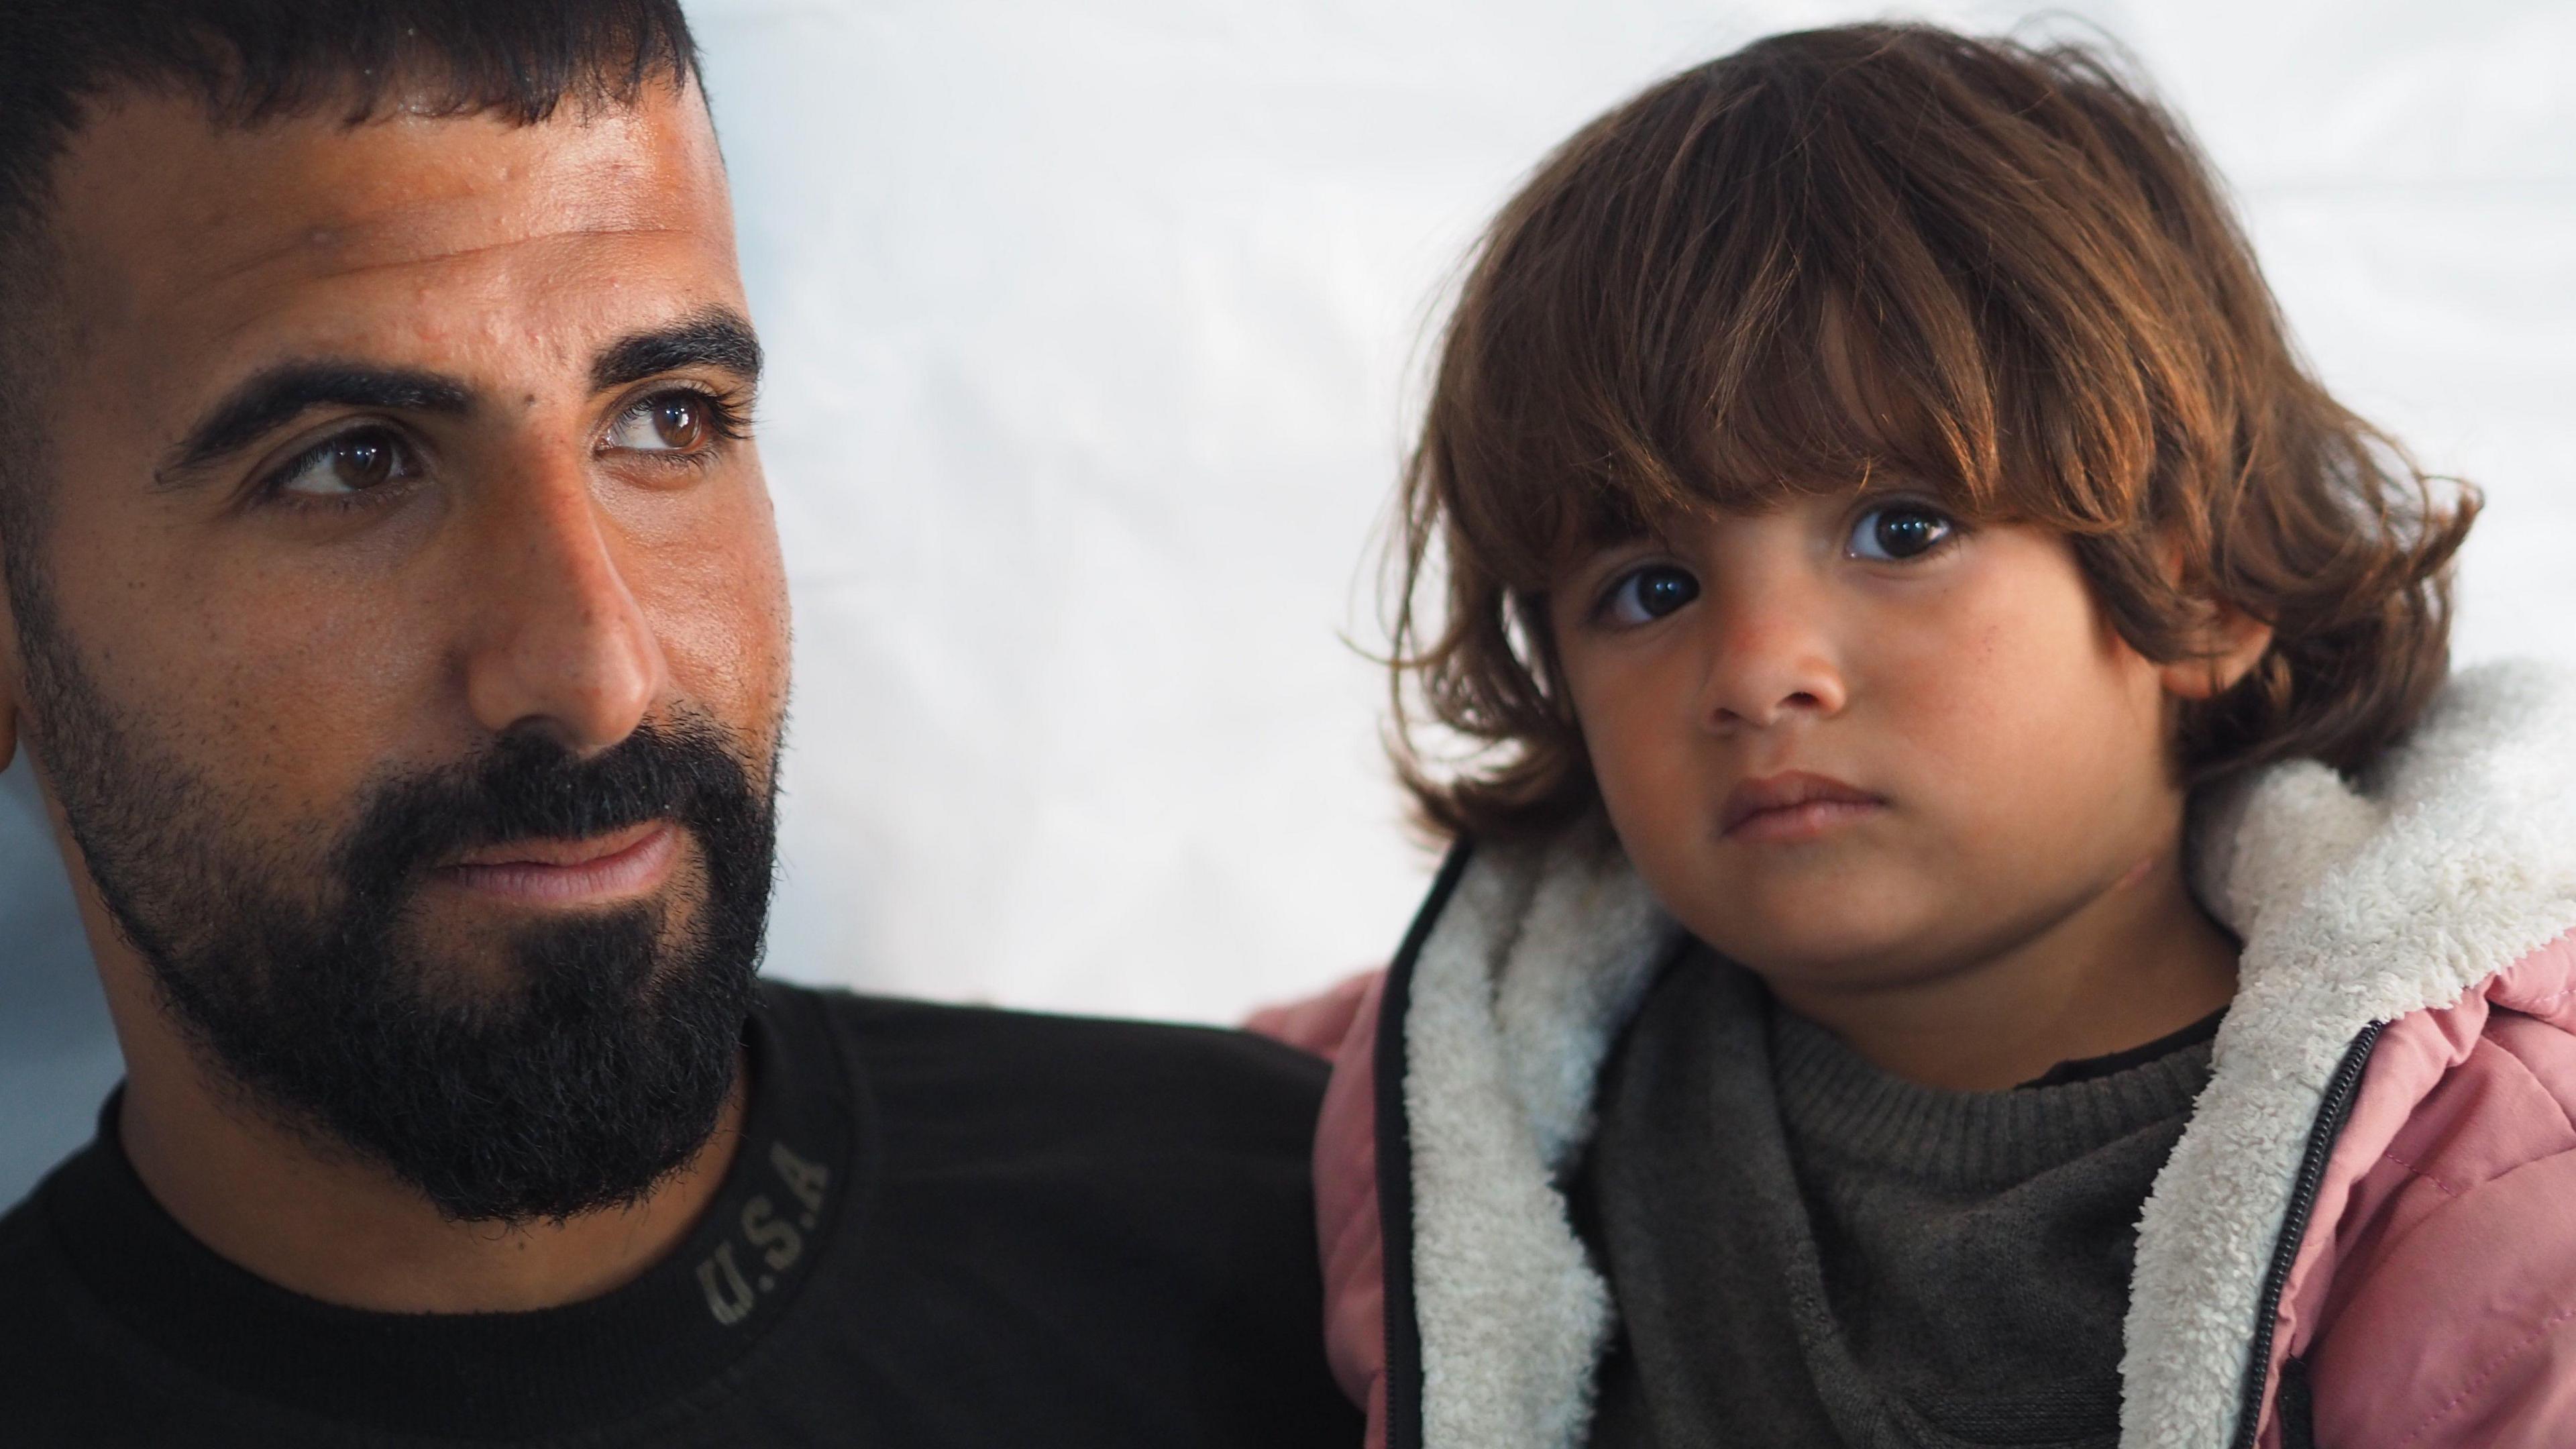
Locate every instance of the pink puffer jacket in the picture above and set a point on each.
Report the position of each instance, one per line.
(2366, 1236)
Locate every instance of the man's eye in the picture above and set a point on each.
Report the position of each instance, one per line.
(1896, 532)
(1650, 593)
(671, 422)
(350, 465)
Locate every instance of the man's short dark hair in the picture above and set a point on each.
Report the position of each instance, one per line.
(255, 60)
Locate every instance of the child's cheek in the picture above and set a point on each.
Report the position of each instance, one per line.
(1642, 754)
(2032, 733)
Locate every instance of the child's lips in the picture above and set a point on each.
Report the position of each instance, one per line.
(1797, 805)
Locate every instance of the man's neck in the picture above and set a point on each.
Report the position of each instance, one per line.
(346, 1232)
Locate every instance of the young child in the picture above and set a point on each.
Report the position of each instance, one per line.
(1977, 917)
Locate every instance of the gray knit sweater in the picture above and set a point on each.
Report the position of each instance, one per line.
(1805, 1250)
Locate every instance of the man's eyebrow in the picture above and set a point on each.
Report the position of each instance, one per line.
(277, 396)
(718, 337)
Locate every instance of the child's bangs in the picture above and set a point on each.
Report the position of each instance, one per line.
(1760, 282)
(1771, 317)
(1795, 399)
(1822, 405)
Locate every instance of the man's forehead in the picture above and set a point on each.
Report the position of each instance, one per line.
(189, 230)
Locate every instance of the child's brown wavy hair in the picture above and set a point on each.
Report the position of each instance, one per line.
(1994, 267)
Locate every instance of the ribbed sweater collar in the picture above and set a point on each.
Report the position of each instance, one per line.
(480, 1376)
(1832, 1102)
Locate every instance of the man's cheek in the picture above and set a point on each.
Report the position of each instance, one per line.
(728, 662)
(728, 647)
(706, 568)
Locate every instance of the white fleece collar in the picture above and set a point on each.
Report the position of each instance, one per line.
(2454, 862)
(1497, 1093)
(2355, 906)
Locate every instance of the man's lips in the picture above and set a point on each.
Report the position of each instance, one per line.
(1791, 807)
(629, 862)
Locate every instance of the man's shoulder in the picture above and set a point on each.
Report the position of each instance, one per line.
(31, 1258)
(1113, 1221)
(20, 1232)
(60, 1375)
(1093, 1075)
(26, 1253)
(895, 1021)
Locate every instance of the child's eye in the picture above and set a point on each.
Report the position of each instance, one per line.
(1895, 532)
(1649, 594)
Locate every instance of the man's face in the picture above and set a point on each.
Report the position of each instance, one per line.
(405, 648)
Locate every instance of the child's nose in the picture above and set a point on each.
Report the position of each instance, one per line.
(1768, 667)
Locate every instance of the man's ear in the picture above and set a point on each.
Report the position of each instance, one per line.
(2228, 643)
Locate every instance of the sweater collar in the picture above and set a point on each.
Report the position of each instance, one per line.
(499, 1376)
(1834, 1102)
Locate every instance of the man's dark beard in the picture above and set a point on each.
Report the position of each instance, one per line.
(592, 1067)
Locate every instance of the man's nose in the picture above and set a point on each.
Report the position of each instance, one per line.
(564, 645)
(1771, 658)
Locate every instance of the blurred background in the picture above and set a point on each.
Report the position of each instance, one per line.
(1095, 334)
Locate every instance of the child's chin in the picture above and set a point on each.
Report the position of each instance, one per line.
(1844, 964)
(1847, 933)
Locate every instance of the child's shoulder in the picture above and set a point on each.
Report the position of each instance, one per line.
(2447, 1304)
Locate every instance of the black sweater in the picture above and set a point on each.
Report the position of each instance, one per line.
(945, 1226)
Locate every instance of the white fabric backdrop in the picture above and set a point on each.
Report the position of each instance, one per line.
(1094, 332)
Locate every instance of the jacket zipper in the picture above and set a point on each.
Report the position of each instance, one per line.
(2341, 1089)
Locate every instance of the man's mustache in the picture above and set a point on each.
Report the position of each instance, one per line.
(528, 785)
